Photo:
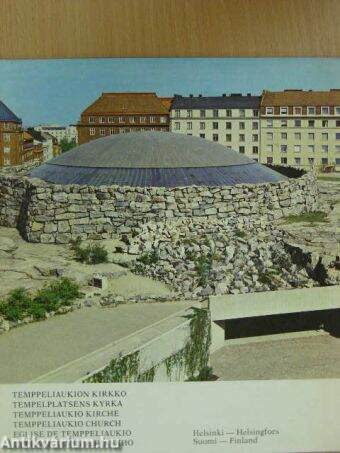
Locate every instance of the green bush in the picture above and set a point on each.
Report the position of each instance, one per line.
(203, 266)
(91, 254)
(149, 257)
(20, 303)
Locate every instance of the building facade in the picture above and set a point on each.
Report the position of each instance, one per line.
(11, 137)
(68, 133)
(114, 113)
(301, 128)
(48, 143)
(231, 120)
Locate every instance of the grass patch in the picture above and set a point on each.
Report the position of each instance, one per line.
(329, 178)
(21, 304)
(307, 217)
(149, 258)
(91, 254)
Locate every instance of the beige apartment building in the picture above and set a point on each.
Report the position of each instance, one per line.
(301, 128)
(231, 120)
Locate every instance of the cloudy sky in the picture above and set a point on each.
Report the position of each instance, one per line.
(56, 91)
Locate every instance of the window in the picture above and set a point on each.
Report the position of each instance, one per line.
(311, 148)
(241, 125)
(283, 148)
(269, 110)
(111, 119)
(101, 131)
(121, 119)
(228, 125)
(255, 125)
(189, 125)
(324, 136)
(177, 126)
(187, 134)
(112, 131)
(337, 148)
(297, 110)
(269, 160)
(241, 149)
(269, 123)
(283, 123)
(325, 110)
(255, 159)
(297, 160)
(163, 119)
(337, 161)
(152, 119)
(228, 138)
(228, 112)
(324, 148)
(132, 119)
(102, 119)
(92, 131)
(311, 110)
(255, 149)
(7, 150)
(297, 148)
(92, 119)
(297, 135)
(189, 113)
(215, 125)
(177, 113)
(284, 135)
(324, 161)
(283, 110)
(337, 136)
(297, 123)
(242, 113)
(255, 112)
(7, 137)
(241, 137)
(143, 119)
(337, 123)
(215, 113)
(215, 137)
(269, 148)
(311, 160)
(324, 123)
(202, 113)
(228, 147)
(311, 123)
(337, 110)
(202, 125)
(311, 136)
(283, 160)
(202, 135)
(255, 138)
(270, 135)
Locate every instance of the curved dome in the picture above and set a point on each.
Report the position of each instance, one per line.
(160, 159)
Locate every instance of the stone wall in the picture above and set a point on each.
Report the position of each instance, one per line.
(56, 214)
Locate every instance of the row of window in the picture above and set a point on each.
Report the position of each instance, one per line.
(216, 125)
(298, 161)
(297, 136)
(127, 119)
(298, 148)
(299, 123)
(325, 110)
(215, 113)
(228, 137)
(112, 131)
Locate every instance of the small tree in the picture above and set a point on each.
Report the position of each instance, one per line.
(66, 145)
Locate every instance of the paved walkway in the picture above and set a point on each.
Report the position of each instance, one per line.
(304, 357)
(32, 350)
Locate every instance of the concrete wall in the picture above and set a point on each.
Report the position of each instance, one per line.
(50, 213)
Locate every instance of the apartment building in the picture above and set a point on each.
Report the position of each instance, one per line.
(11, 137)
(301, 128)
(48, 143)
(114, 113)
(68, 133)
(231, 120)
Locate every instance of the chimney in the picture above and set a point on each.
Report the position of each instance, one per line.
(236, 94)
(191, 95)
(224, 95)
(199, 95)
(248, 94)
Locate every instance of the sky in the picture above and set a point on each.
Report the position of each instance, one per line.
(56, 91)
